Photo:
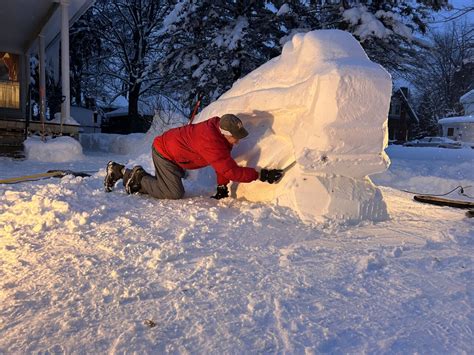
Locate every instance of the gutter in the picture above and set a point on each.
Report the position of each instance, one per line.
(409, 106)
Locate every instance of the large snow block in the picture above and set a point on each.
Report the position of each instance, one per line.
(323, 104)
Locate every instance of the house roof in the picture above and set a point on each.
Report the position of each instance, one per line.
(411, 113)
(459, 119)
(120, 104)
(119, 112)
(467, 97)
(123, 111)
(21, 21)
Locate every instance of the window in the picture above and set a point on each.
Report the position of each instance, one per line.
(9, 84)
(450, 132)
(395, 108)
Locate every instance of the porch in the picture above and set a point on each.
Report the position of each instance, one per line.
(32, 27)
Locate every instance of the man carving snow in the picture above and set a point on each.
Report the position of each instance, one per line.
(190, 147)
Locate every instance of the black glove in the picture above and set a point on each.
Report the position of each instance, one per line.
(222, 192)
(271, 175)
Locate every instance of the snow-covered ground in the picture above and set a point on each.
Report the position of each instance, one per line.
(82, 271)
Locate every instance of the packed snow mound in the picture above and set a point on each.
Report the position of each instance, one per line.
(323, 104)
(59, 149)
(113, 143)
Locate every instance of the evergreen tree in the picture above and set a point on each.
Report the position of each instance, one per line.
(427, 115)
(130, 50)
(53, 90)
(85, 54)
(208, 45)
(445, 72)
(386, 29)
(184, 47)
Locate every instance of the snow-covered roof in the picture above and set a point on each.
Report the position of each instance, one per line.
(411, 112)
(145, 106)
(121, 111)
(459, 119)
(120, 101)
(467, 97)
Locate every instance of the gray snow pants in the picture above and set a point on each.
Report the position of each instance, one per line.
(166, 184)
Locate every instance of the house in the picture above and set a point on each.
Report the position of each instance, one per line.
(89, 120)
(30, 27)
(461, 128)
(458, 128)
(467, 101)
(402, 119)
(116, 119)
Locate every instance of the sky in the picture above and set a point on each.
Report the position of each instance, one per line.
(457, 4)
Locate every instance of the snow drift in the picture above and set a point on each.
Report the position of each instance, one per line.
(323, 104)
(58, 149)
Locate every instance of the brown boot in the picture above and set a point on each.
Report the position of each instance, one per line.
(133, 184)
(113, 173)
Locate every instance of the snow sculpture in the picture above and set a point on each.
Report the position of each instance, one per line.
(323, 104)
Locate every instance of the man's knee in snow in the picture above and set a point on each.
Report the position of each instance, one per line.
(175, 195)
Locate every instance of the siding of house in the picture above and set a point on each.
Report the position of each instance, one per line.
(399, 117)
(459, 131)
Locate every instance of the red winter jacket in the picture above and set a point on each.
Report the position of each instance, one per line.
(198, 145)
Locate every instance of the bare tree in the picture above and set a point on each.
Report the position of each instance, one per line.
(444, 72)
(130, 47)
(184, 47)
(455, 14)
(208, 45)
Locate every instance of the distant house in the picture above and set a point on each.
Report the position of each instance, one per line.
(458, 128)
(461, 128)
(116, 119)
(89, 120)
(402, 119)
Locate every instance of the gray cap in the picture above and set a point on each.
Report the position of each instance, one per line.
(233, 125)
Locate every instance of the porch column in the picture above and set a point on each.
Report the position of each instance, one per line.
(42, 81)
(65, 85)
(27, 93)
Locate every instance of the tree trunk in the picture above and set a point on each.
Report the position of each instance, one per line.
(133, 114)
(77, 91)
